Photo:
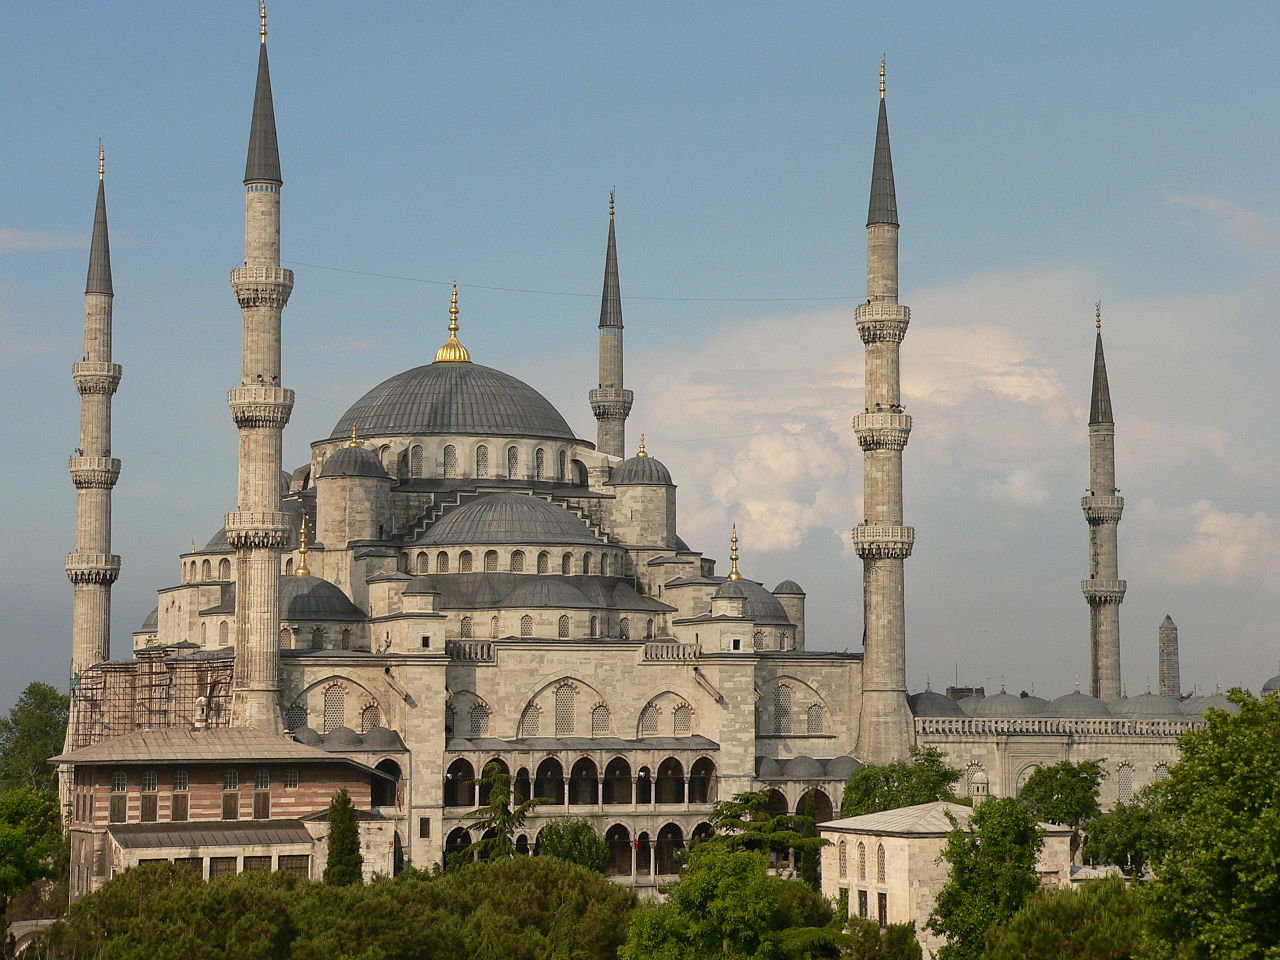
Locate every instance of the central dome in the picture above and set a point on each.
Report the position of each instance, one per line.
(454, 398)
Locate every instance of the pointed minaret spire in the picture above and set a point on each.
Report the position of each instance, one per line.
(733, 555)
(610, 402)
(883, 207)
(99, 278)
(1100, 402)
(263, 162)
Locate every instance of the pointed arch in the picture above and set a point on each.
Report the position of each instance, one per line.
(517, 561)
(415, 461)
(224, 569)
(526, 626)
(544, 562)
(335, 707)
(442, 562)
(539, 464)
(566, 700)
(531, 721)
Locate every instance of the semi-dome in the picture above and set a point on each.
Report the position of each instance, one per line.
(930, 703)
(1078, 706)
(310, 598)
(1149, 706)
(1036, 705)
(152, 623)
(352, 461)
(454, 398)
(641, 471)
(510, 518)
(767, 769)
(308, 736)
(342, 737)
(1004, 704)
(380, 738)
(803, 768)
(758, 604)
(841, 767)
(788, 588)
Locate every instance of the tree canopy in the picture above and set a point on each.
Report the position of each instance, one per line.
(498, 821)
(345, 865)
(575, 840)
(745, 823)
(1129, 835)
(923, 779)
(1105, 918)
(33, 732)
(31, 844)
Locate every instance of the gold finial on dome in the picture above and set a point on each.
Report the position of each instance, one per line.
(882, 76)
(355, 440)
(102, 161)
(641, 452)
(1097, 315)
(453, 351)
(611, 192)
(733, 555)
(262, 14)
(302, 570)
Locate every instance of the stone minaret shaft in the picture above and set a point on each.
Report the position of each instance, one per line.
(610, 402)
(93, 568)
(1170, 681)
(1104, 590)
(260, 407)
(882, 540)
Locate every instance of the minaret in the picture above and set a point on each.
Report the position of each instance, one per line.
(260, 407)
(610, 402)
(1104, 591)
(1170, 681)
(93, 568)
(882, 540)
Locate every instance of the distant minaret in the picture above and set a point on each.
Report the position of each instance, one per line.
(93, 568)
(1170, 681)
(610, 402)
(882, 540)
(1104, 590)
(260, 407)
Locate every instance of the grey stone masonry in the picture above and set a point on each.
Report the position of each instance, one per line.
(882, 540)
(610, 403)
(260, 407)
(93, 568)
(1170, 681)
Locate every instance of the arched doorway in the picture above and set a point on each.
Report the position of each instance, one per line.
(670, 782)
(644, 863)
(522, 845)
(386, 793)
(617, 781)
(703, 831)
(618, 840)
(670, 840)
(549, 782)
(459, 788)
(644, 786)
(520, 788)
(584, 782)
(815, 803)
(776, 803)
(455, 846)
(702, 781)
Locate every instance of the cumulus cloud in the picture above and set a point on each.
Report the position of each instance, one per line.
(1201, 543)
(16, 240)
(1241, 225)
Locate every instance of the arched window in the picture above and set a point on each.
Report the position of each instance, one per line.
(464, 561)
(814, 718)
(345, 643)
(880, 863)
(493, 628)
(566, 710)
(415, 461)
(464, 629)
(757, 640)
(288, 567)
(513, 463)
(1162, 771)
(223, 628)
(335, 707)
(970, 772)
(648, 629)
(566, 564)
(842, 859)
(224, 569)
(203, 630)
(423, 562)
(604, 564)
(317, 638)
(1023, 777)
(544, 562)
(206, 570)
(482, 461)
(862, 860)
(517, 561)
(624, 628)
(286, 638)
(449, 718)
(563, 628)
(442, 562)
(586, 564)
(539, 464)
(562, 463)
(370, 717)
(295, 717)
(595, 626)
(682, 720)
(478, 717)
(782, 702)
(491, 561)
(530, 721)
(600, 721)
(649, 720)
(450, 460)
(526, 626)
(1124, 783)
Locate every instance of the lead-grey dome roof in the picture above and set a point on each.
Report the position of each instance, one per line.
(508, 518)
(1004, 704)
(1272, 685)
(454, 398)
(1149, 706)
(1078, 706)
(353, 462)
(930, 703)
(758, 604)
(641, 471)
(788, 588)
(1196, 706)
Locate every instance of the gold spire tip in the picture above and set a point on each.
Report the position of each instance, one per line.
(641, 452)
(262, 15)
(611, 193)
(733, 555)
(453, 351)
(302, 570)
(1097, 315)
(355, 438)
(882, 76)
(102, 161)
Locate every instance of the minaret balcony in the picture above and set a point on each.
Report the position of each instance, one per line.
(93, 567)
(259, 529)
(883, 541)
(262, 286)
(882, 322)
(882, 431)
(95, 376)
(1102, 509)
(260, 405)
(610, 403)
(90, 472)
(1103, 591)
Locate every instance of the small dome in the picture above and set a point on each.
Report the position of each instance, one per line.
(310, 598)
(1272, 685)
(1002, 705)
(342, 737)
(419, 585)
(767, 769)
(842, 767)
(803, 768)
(380, 738)
(930, 703)
(1078, 706)
(787, 588)
(758, 604)
(509, 518)
(1198, 706)
(1149, 706)
(968, 704)
(1036, 705)
(351, 461)
(152, 622)
(308, 736)
(546, 592)
(641, 471)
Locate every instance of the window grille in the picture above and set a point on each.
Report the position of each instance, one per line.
(757, 640)
(291, 778)
(814, 718)
(415, 462)
(494, 628)
(442, 562)
(600, 721)
(180, 780)
(1124, 783)
(530, 721)
(566, 720)
(206, 571)
(544, 562)
(464, 629)
(149, 780)
(464, 561)
(586, 564)
(230, 779)
(862, 904)
(604, 565)
(561, 464)
(222, 633)
(449, 718)
(862, 862)
(346, 640)
(539, 464)
(221, 867)
(335, 707)
(842, 859)
(526, 626)
(517, 561)
(203, 631)
(970, 772)
(624, 628)
(649, 721)
(295, 863)
(782, 703)
(882, 908)
(296, 717)
(566, 564)
(424, 828)
(491, 561)
(563, 630)
(422, 563)
(224, 569)
(317, 638)
(370, 717)
(880, 863)
(682, 720)
(595, 626)
(648, 629)
(1162, 771)
(286, 638)
(513, 463)
(482, 461)
(450, 460)
(479, 717)
(257, 863)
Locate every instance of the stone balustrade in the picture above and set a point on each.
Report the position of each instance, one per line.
(472, 651)
(93, 567)
(1103, 591)
(99, 472)
(96, 376)
(1053, 726)
(671, 651)
(882, 541)
(1102, 509)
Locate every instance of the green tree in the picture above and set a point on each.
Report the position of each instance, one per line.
(1129, 835)
(33, 732)
(923, 779)
(745, 823)
(344, 865)
(1216, 891)
(30, 840)
(993, 871)
(1065, 793)
(1104, 919)
(870, 941)
(727, 906)
(498, 822)
(574, 840)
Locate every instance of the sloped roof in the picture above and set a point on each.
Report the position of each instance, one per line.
(208, 833)
(920, 820)
(214, 745)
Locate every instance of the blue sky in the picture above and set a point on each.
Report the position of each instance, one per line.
(1046, 156)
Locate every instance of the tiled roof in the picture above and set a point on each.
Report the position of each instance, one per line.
(215, 745)
(212, 833)
(922, 819)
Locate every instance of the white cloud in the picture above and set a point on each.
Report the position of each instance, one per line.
(1239, 224)
(15, 240)
(1204, 544)
(1021, 488)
